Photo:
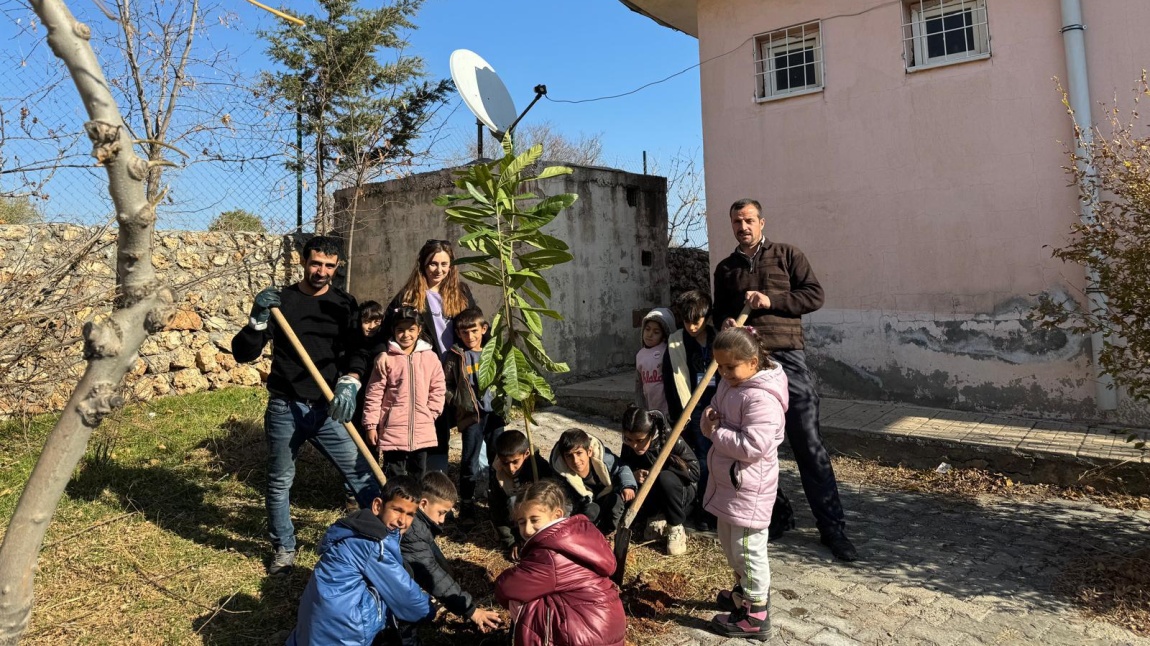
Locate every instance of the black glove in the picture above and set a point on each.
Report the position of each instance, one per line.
(261, 308)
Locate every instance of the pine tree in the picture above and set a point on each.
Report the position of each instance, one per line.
(352, 106)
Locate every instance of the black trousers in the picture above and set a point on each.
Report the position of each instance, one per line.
(604, 512)
(669, 496)
(411, 463)
(437, 455)
(815, 470)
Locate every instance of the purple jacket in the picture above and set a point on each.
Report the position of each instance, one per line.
(744, 457)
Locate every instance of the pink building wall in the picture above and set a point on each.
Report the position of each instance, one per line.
(923, 200)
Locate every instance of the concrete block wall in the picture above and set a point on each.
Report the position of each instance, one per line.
(617, 231)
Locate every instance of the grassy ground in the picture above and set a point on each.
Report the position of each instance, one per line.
(160, 537)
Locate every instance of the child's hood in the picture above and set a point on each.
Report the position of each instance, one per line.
(577, 539)
(420, 346)
(598, 467)
(360, 523)
(772, 381)
(662, 316)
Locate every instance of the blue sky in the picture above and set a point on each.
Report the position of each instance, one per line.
(579, 50)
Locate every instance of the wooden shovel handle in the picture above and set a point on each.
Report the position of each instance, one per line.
(327, 393)
(633, 509)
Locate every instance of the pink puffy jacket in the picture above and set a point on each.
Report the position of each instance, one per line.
(744, 457)
(404, 396)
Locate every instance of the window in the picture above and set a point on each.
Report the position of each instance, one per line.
(789, 61)
(940, 32)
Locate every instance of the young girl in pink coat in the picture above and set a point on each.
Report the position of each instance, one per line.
(404, 396)
(745, 424)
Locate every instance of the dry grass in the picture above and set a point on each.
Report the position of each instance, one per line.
(160, 537)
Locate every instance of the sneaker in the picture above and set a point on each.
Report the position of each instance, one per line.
(282, 562)
(728, 600)
(655, 530)
(841, 546)
(746, 622)
(676, 540)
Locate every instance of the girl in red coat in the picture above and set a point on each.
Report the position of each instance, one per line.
(559, 593)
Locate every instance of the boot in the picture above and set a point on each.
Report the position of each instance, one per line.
(728, 600)
(782, 518)
(746, 621)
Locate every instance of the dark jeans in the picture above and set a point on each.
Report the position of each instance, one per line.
(701, 445)
(669, 496)
(399, 463)
(483, 432)
(603, 512)
(437, 455)
(815, 470)
(287, 426)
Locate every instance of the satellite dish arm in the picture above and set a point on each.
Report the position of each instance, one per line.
(540, 92)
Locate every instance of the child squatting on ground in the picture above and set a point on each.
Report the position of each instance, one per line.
(673, 494)
(471, 413)
(658, 325)
(359, 586)
(598, 483)
(404, 396)
(745, 424)
(560, 593)
(511, 473)
(427, 563)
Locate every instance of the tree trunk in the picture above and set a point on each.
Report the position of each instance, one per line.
(143, 305)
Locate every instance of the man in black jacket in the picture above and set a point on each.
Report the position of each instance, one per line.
(778, 283)
(325, 318)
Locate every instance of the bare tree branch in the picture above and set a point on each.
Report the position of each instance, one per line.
(143, 305)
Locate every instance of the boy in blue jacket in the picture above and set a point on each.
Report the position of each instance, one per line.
(359, 586)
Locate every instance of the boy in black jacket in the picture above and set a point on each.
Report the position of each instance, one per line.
(511, 474)
(428, 565)
(598, 483)
(687, 357)
(471, 414)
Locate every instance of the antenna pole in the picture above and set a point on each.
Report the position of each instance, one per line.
(540, 92)
(479, 139)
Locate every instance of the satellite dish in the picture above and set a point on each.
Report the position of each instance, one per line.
(483, 92)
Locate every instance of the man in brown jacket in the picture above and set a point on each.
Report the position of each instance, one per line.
(780, 286)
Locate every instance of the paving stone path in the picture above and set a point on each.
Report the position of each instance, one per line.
(934, 571)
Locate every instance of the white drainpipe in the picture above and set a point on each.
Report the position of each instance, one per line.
(1078, 91)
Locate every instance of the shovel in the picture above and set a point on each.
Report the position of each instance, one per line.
(327, 393)
(623, 531)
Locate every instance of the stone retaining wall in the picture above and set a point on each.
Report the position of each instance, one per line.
(215, 274)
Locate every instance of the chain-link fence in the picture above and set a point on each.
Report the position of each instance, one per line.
(229, 143)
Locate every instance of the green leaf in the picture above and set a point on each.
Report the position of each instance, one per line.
(545, 258)
(549, 172)
(510, 379)
(488, 367)
(476, 195)
(532, 320)
(545, 312)
(511, 171)
(541, 285)
(554, 204)
(481, 279)
(534, 347)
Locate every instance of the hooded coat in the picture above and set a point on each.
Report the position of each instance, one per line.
(404, 396)
(559, 593)
(359, 586)
(649, 393)
(744, 456)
